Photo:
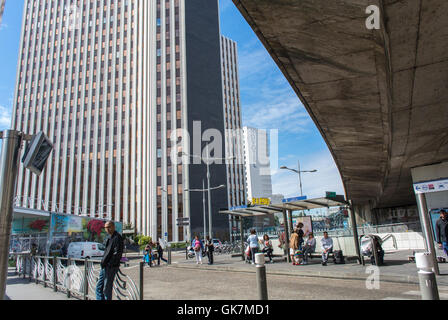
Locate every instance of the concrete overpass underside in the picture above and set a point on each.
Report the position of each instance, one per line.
(378, 97)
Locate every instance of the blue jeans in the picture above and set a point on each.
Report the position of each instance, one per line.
(253, 251)
(445, 247)
(105, 283)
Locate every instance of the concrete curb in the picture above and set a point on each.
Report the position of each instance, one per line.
(312, 274)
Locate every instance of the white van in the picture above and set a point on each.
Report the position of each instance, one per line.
(81, 250)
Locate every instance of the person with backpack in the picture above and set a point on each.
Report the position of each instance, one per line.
(210, 249)
(198, 247)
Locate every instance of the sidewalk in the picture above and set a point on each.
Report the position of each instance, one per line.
(396, 269)
(18, 288)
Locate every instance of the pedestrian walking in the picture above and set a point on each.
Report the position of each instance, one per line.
(110, 262)
(441, 231)
(159, 250)
(267, 247)
(198, 247)
(253, 244)
(210, 249)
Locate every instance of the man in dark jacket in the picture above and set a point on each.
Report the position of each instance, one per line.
(110, 263)
(441, 231)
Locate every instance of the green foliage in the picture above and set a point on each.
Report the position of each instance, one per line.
(143, 241)
(178, 245)
(12, 263)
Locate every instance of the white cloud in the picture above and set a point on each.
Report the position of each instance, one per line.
(283, 113)
(5, 118)
(315, 184)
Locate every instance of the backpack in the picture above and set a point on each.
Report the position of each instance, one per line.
(338, 257)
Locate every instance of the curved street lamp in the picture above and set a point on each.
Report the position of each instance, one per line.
(300, 174)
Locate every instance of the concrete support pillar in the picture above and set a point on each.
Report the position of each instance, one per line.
(285, 219)
(291, 227)
(242, 238)
(425, 220)
(355, 232)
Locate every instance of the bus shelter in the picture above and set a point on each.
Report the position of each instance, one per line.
(286, 207)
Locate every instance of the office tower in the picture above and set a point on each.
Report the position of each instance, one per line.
(236, 190)
(109, 81)
(257, 169)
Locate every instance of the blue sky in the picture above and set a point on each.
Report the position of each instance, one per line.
(268, 102)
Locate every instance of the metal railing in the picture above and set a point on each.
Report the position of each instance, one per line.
(385, 228)
(77, 278)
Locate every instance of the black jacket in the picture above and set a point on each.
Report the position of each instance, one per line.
(113, 252)
(441, 230)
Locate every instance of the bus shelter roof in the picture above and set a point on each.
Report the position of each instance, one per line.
(294, 204)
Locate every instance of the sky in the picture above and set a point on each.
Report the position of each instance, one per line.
(267, 102)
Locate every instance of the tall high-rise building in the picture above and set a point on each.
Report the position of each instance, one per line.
(257, 162)
(258, 170)
(109, 82)
(236, 189)
(2, 8)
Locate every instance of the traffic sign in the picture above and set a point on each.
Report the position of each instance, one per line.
(180, 224)
(330, 194)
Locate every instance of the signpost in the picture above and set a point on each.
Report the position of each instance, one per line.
(183, 222)
(330, 194)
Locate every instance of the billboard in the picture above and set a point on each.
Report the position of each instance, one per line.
(307, 224)
(30, 225)
(65, 229)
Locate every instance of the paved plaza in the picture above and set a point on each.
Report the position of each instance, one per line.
(232, 279)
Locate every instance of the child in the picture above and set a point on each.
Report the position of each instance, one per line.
(298, 257)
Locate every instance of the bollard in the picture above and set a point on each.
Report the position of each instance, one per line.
(45, 274)
(24, 266)
(86, 281)
(169, 255)
(261, 277)
(186, 253)
(374, 251)
(426, 276)
(141, 280)
(68, 275)
(55, 275)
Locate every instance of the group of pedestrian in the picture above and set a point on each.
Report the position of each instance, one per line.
(254, 242)
(199, 247)
(149, 256)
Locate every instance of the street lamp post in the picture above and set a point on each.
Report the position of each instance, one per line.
(203, 201)
(207, 162)
(299, 172)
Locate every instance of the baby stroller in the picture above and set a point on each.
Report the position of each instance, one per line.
(367, 250)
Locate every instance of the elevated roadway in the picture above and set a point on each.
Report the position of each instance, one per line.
(379, 97)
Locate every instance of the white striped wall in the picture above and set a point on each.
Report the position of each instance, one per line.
(86, 174)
